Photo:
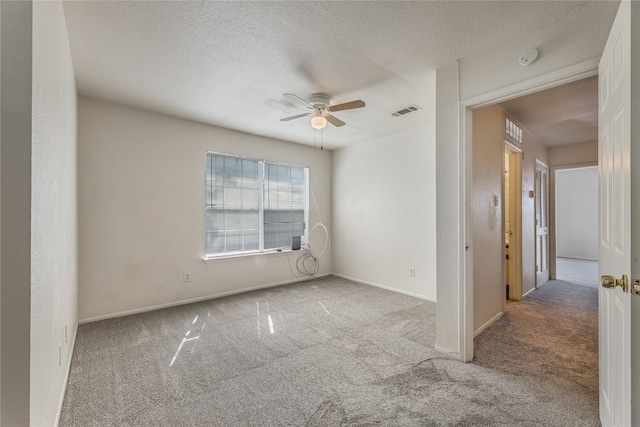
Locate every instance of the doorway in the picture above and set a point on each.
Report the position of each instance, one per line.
(512, 219)
(542, 223)
(576, 225)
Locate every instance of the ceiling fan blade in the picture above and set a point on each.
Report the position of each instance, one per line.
(347, 105)
(334, 120)
(297, 100)
(286, 119)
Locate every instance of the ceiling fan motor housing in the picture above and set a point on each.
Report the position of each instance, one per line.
(319, 100)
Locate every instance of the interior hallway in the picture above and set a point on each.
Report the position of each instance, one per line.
(551, 338)
(335, 352)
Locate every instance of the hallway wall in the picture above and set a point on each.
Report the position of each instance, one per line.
(487, 217)
(573, 154)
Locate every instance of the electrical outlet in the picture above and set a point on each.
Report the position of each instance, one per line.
(186, 277)
(412, 272)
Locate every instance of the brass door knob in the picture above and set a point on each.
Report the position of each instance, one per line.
(611, 282)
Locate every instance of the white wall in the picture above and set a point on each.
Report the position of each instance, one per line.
(54, 285)
(573, 154)
(15, 210)
(577, 213)
(141, 209)
(486, 216)
(384, 211)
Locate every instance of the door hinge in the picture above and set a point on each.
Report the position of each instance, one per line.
(466, 247)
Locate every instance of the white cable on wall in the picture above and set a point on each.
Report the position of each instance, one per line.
(327, 240)
(309, 263)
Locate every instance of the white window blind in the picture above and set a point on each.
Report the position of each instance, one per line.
(253, 205)
(284, 204)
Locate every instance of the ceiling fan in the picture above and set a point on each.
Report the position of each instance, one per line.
(319, 103)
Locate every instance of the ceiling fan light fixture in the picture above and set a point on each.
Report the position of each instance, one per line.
(318, 122)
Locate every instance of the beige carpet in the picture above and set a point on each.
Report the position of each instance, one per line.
(335, 353)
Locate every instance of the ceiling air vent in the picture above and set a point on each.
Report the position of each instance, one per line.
(407, 110)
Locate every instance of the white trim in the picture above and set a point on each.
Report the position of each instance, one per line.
(388, 288)
(530, 290)
(515, 241)
(559, 77)
(579, 259)
(569, 74)
(241, 255)
(466, 244)
(66, 376)
(542, 167)
(490, 322)
(541, 164)
(512, 146)
(192, 300)
(582, 165)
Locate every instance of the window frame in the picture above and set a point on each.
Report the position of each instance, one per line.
(262, 179)
(513, 131)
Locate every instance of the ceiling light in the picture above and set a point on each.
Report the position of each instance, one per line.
(318, 121)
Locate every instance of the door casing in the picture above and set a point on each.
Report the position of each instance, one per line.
(515, 206)
(542, 230)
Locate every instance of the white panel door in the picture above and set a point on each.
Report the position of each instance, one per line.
(542, 223)
(614, 303)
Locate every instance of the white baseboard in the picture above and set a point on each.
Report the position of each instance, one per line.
(577, 258)
(388, 288)
(531, 290)
(489, 323)
(66, 376)
(192, 300)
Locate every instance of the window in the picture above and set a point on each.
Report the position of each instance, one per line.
(513, 130)
(253, 206)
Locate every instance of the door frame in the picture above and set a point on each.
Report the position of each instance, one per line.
(515, 241)
(540, 165)
(556, 78)
(553, 274)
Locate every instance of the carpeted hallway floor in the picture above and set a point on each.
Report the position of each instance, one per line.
(334, 352)
(578, 271)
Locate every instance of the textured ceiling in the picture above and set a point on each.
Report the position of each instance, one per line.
(563, 115)
(228, 63)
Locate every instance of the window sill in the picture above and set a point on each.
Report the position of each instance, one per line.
(240, 257)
